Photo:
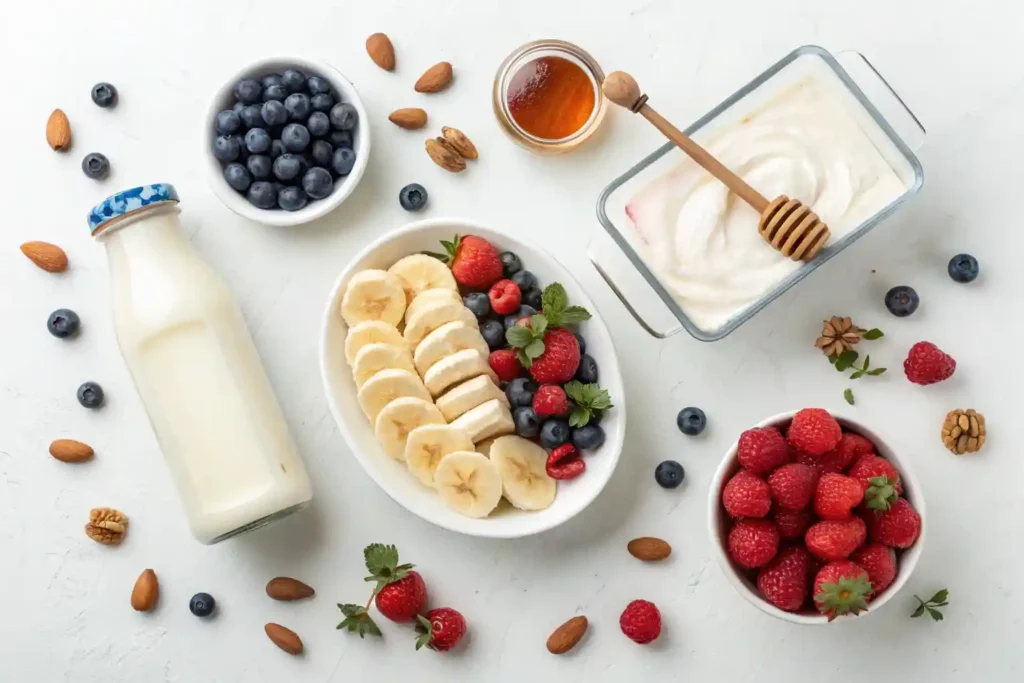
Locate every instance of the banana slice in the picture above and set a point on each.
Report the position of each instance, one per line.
(431, 315)
(457, 367)
(488, 419)
(484, 447)
(419, 272)
(524, 477)
(468, 395)
(428, 444)
(431, 295)
(373, 358)
(399, 418)
(469, 483)
(446, 340)
(373, 295)
(371, 332)
(385, 387)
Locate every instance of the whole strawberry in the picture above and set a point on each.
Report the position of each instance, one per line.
(549, 351)
(505, 364)
(641, 621)
(880, 564)
(841, 588)
(746, 495)
(792, 524)
(784, 581)
(927, 364)
(814, 431)
(851, 447)
(870, 467)
(559, 360)
(831, 541)
(474, 261)
(550, 401)
(441, 629)
(753, 542)
(762, 449)
(403, 599)
(793, 485)
(898, 527)
(836, 495)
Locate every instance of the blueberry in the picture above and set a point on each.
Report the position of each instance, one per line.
(252, 116)
(523, 312)
(322, 153)
(96, 166)
(262, 195)
(237, 176)
(478, 303)
(595, 417)
(293, 79)
(340, 138)
(271, 79)
(202, 604)
(587, 371)
(248, 90)
(344, 116)
(276, 149)
(510, 263)
(260, 166)
(494, 333)
(691, 421)
(237, 107)
(588, 437)
(257, 141)
(526, 421)
(275, 93)
(669, 474)
(297, 105)
(532, 298)
(62, 323)
(902, 300)
(318, 124)
(287, 167)
(227, 122)
(316, 85)
(273, 113)
(413, 197)
(525, 279)
(553, 433)
(291, 198)
(90, 395)
(317, 182)
(243, 153)
(295, 137)
(322, 102)
(581, 341)
(520, 392)
(963, 268)
(104, 95)
(343, 161)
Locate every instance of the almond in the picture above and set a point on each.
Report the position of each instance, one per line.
(444, 156)
(458, 140)
(286, 588)
(146, 591)
(565, 637)
(381, 51)
(69, 450)
(284, 638)
(410, 118)
(58, 131)
(49, 257)
(437, 77)
(649, 549)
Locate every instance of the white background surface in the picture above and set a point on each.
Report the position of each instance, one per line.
(64, 602)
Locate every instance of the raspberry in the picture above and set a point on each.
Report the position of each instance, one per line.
(550, 400)
(793, 485)
(564, 462)
(505, 364)
(763, 449)
(746, 495)
(505, 297)
(927, 364)
(753, 542)
(792, 523)
(641, 621)
(814, 431)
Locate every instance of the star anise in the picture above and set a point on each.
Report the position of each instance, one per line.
(838, 335)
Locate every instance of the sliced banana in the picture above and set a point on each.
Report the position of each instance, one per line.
(373, 295)
(399, 418)
(431, 316)
(385, 387)
(464, 397)
(469, 483)
(373, 358)
(419, 272)
(428, 444)
(456, 368)
(488, 419)
(523, 468)
(431, 296)
(371, 332)
(484, 447)
(446, 340)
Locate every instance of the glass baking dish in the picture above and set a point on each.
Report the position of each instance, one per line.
(896, 134)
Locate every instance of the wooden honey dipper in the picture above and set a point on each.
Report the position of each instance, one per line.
(786, 224)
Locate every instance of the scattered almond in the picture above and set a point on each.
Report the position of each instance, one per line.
(410, 118)
(649, 549)
(286, 588)
(565, 637)
(436, 78)
(69, 450)
(146, 591)
(284, 638)
(58, 131)
(49, 257)
(444, 156)
(458, 140)
(381, 51)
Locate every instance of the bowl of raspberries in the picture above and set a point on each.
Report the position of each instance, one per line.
(813, 517)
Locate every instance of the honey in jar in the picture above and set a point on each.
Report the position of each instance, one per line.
(551, 97)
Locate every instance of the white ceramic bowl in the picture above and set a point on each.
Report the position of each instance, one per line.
(391, 475)
(224, 99)
(718, 524)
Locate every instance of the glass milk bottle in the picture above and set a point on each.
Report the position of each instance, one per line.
(196, 369)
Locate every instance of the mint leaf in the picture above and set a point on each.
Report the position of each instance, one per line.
(876, 372)
(857, 375)
(873, 334)
(539, 325)
(589, 396)
(579, 416)
(848, 395)
(867, 363)
(833, 358)
(920, 609)
(554, 299)
(574, 314)
(846, 360)
(534, 349)
(524, 360)
(935, 614)
(518, 337)
(941, 596)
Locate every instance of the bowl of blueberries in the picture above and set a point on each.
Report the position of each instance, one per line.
(286, 141)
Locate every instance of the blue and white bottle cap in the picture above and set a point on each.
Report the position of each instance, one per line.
(127, 201)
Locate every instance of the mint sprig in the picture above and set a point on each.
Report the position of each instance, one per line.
(848, 359)
(587, 399)
(528, 341)
(931, 605)
(555, 306)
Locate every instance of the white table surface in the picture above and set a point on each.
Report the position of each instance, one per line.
(64, 602)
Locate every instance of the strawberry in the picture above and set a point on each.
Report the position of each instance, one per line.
(898, 527)
(831, 541)
(564, 462)
(403, 599)
(880, 564)
(753, 542)
(793, 485)
(874, 466)
(792, 523)
(505, 364)
(550, 400)
(399, 592)
(814, 431)
(784, 581)
(641, 621)
(559, 360)
(474, 261)
(746, 495)
(851, 447)
(762, 449)
(441, 629)
(927, 364)
(505, 297)
(836, 495)
(841, 588)
(549, 351)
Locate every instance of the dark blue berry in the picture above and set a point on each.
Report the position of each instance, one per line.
(344, 116)
(273, 113)
(532, 297)
(62, 323)
(275, 93)
(317, 183)
(669, 474)
(343, 161)
(243, 153)
(276, 149)
(322, 102)
(318, 124)
(291, 198)
(271, 79)
(96, 166)
(691, 421)
(295, 137)
(257, 141)
(104, 95)
(316, 85)
(340, 138)
(525, 279)
(287, 167)
(478, 303)
(90, 395)
(248, 90)
(526, 421)
(520, 392)
(494, 333)
(293, 79)
(227, 122)
(588, 437)
(260, 166)
(252, 116)
(413, 197)
(587, 371)
(322, 153)
(237, 176)
(581, 341)
(202, 604)
(963, 268)
(297, 105)
(595, 417)
(553, 433)
(510, 263)
(262, 195)
(902, 300)
(523, 312)
(237, 107)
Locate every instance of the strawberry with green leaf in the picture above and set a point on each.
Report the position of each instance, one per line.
(548, 350)
(588, 400)
(399, 593)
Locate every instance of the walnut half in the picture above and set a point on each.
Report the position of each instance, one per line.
(106, 526)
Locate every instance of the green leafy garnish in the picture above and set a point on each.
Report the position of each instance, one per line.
(848, 359)
(357, 620)
(382, 563)
(528, 341)
(587, 399)
(848, 395)
(930, 605)
(873, 334)
(555, 306)
(425, 631)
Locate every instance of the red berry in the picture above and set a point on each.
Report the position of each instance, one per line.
(753, 542)
(831, 541)
(851, 447)
(927, 364)
(505, 297)
(897, 527)
(784, 581)
(441, 629)
(560, 360)
(550, 400)
(505, 364)
(762, 449)
(564, 462)
(870, 466)
(814, 431)
(880, 564)
(474, 262)
(641, 621)
(836, 495)
(746, 495)
(792, 523)
(841, 588)
(793, 485)
(403, 599)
